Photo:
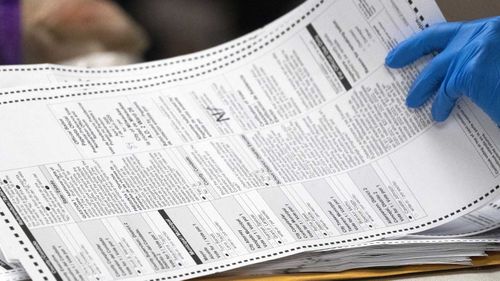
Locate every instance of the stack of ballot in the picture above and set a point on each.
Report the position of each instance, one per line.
(408, 250)
(289, 149)
(385, 253)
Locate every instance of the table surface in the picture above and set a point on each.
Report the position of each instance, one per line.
(488, 274)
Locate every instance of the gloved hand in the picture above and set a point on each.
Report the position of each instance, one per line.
(468, 64)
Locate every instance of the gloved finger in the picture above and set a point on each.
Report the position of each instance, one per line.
(446, 99)
(429, 80)
(434, 38)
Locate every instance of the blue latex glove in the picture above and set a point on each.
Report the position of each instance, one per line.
(468, 64)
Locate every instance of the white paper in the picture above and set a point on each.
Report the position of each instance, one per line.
(289, 149)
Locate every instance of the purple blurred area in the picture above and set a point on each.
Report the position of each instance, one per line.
(183, 26)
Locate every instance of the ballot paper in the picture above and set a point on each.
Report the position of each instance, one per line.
(480, 221)
(10, 271)
(476, 222)
(293, 139)
(383, 253)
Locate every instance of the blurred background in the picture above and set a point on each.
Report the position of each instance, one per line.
(183, 26)
(113, 32)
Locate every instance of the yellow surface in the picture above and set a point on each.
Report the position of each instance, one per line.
(491, 260)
